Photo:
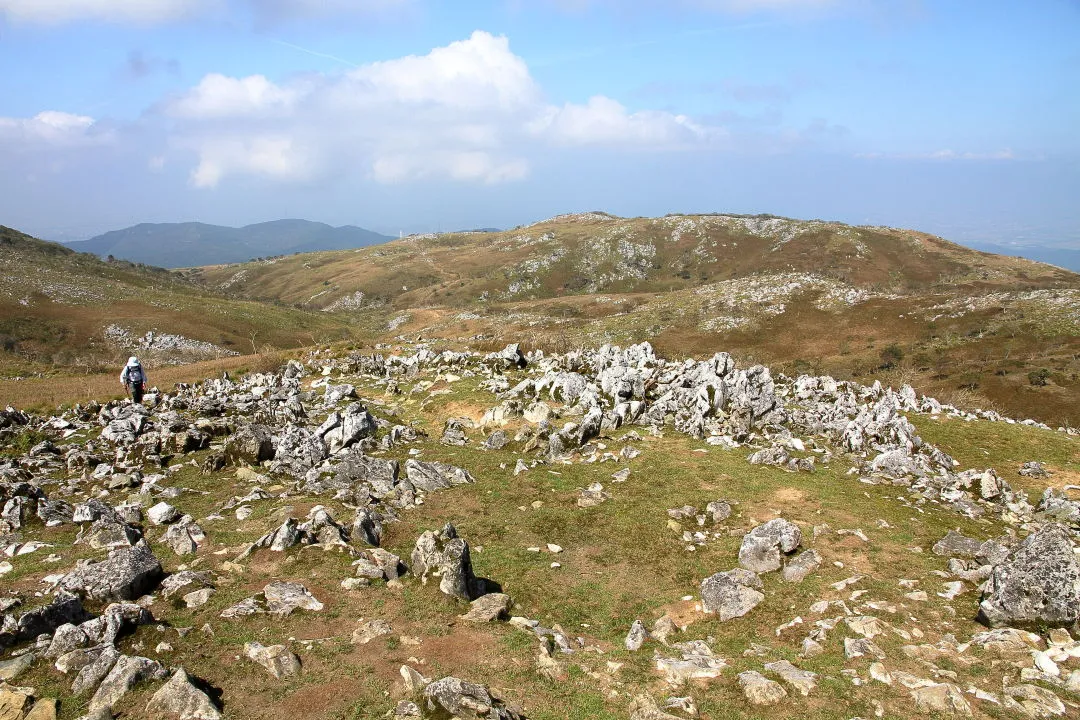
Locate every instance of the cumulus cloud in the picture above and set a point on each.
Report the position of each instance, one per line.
(469, 111)
(135, 11)
(54, 128)
(219, 96)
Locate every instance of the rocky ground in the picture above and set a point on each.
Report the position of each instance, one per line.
(605, 533)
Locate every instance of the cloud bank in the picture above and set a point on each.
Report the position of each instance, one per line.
(469, 111)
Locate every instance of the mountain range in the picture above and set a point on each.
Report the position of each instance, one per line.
(189, 244)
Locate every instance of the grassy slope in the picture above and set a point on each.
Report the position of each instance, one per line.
(621, 562)
(55, 304)
(678, 280)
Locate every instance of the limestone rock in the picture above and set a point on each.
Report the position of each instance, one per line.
(127, 574)
(369, 630)
(941, 698)
(643, 707)
(125, 674)
(637, 636)
(14, 702)
(457, 698)
(489, 608)
(282, 598)
(760, 690)
(1038, 585)
(731, 594)
(956, 545)
(180, 699)
(761, 547)
(1035, 701)
(278, 660)
(799, 568)
(802, 680)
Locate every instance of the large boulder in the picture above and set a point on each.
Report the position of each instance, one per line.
(1037, 586)
(127, 574)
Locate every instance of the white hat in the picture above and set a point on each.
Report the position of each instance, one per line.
(133, 360)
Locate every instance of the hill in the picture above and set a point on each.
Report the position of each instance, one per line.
(61, 310)
(174, 245)
(855, 302)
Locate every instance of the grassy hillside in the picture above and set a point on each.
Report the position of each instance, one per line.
(65, 310)
(857, 302)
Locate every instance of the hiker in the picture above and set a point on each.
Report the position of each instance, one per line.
(134, 378)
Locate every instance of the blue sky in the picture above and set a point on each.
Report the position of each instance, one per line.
(958, 118)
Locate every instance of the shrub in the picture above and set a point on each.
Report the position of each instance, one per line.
(1039, 377)
(891, 356)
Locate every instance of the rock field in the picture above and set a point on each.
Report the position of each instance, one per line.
(209, 553)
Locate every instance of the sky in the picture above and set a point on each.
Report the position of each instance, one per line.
(958, 117)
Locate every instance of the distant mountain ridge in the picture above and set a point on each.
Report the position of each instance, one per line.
(190, 244)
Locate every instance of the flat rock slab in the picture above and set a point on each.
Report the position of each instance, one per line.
(489, 608)
(284, 597)
(802, 680)
(760, 690)
(941, 698)
(368, 631)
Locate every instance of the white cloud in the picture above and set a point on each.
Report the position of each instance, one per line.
(275, 156)
(218, 96)
(135, 11)
(469, 111)
(603, 121)
(52, 127)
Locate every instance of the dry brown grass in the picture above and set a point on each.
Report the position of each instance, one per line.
(45, 394)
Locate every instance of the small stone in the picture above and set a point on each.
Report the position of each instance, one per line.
(198, 598)
(636, 637)
(368, 631)
(278, 660)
